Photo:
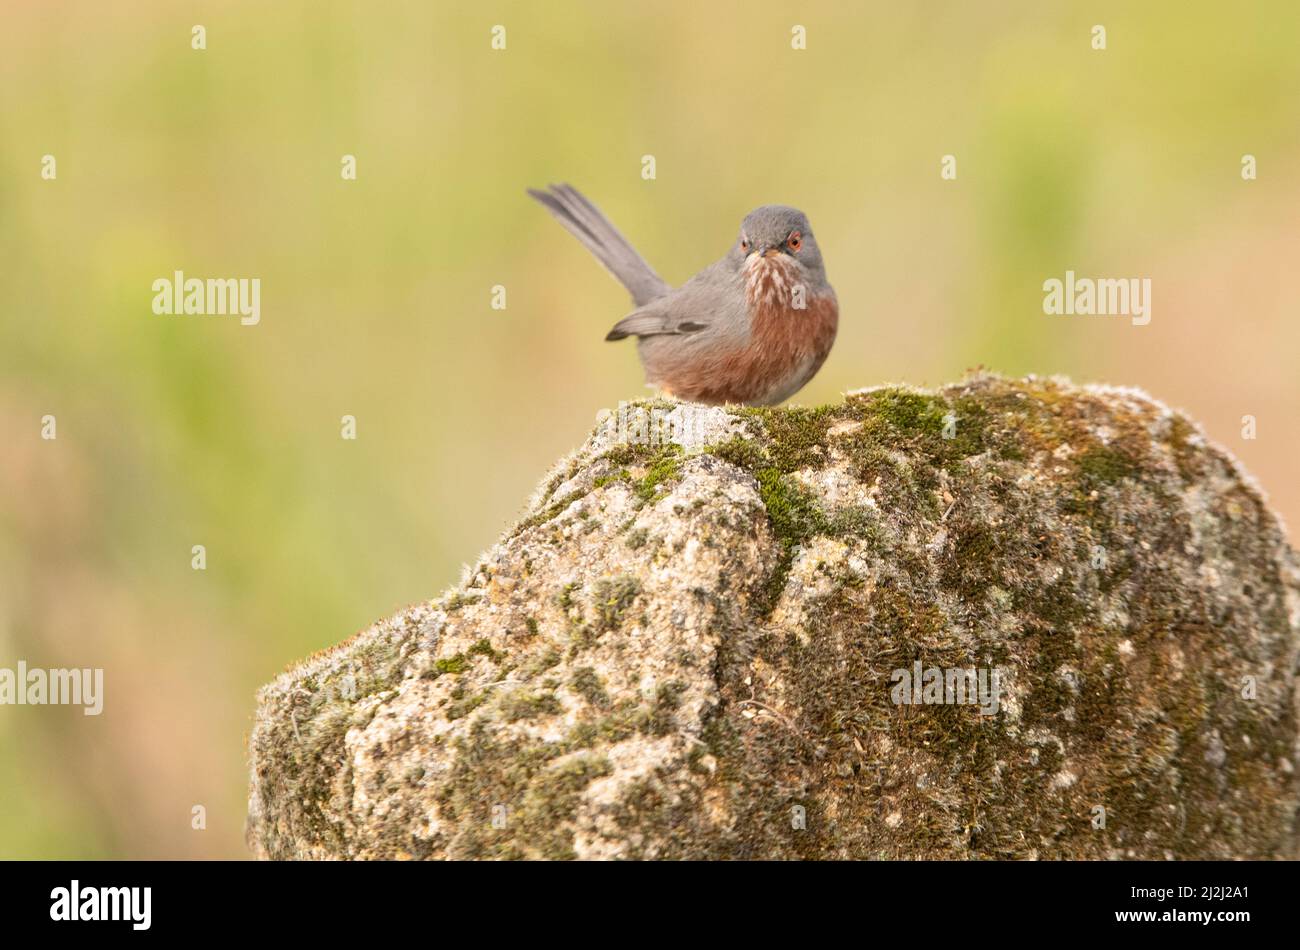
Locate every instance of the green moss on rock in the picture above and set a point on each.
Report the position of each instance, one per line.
(690, 651)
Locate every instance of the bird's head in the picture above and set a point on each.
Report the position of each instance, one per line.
(778, 230)
(776, 246)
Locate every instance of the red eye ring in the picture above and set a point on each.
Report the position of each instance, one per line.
(794, 241)
(744, 244)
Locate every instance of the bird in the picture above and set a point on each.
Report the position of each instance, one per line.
(750, 329)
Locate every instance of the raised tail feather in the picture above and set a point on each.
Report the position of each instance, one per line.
(585, 222)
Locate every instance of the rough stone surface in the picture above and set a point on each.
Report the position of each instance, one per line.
(686, 650)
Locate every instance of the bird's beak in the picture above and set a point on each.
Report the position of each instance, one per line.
(771, 251)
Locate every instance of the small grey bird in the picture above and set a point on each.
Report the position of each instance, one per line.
(752, 328)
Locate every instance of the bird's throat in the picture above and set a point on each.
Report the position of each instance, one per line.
(774, 282)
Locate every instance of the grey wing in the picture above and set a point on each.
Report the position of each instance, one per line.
(707, 305)
(654, 321)
(597, 233)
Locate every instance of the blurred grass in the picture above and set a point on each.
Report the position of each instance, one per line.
(176, 431)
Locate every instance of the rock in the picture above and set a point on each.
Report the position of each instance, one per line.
(700, 643)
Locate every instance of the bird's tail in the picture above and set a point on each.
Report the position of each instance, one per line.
(585, 222)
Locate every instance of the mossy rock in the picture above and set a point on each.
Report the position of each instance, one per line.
(687, 649)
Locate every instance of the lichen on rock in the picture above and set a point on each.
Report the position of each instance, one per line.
(688, 647)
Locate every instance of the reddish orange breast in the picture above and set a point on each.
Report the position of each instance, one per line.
(786, 348)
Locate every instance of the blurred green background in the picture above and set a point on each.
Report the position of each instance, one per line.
(176, 431)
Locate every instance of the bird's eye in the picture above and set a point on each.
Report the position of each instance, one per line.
(744, 244)
(794, 241)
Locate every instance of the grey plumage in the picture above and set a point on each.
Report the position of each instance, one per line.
(585, 222)
(709, 304)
